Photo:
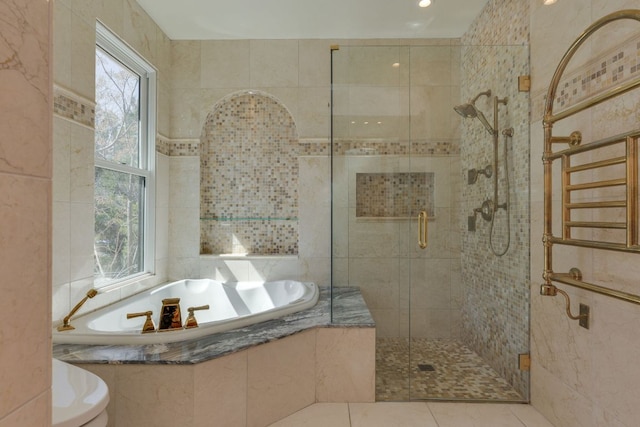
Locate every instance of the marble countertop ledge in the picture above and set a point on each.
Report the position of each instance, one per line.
(349, 311)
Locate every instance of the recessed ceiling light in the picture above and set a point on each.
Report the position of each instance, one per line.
(547, 2)
(424, 3)
(395, 64)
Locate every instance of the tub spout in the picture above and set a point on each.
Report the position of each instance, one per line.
(191, 318)
(170, 315)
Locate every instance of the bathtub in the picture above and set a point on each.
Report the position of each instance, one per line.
(231, 305)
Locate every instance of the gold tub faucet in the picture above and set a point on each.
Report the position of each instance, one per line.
(191, 318)
(148, 326)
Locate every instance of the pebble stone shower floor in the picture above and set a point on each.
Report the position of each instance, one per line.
(441, 369)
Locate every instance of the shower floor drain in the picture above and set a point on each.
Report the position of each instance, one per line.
(426, 367)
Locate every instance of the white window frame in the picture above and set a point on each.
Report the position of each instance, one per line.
(114, 46)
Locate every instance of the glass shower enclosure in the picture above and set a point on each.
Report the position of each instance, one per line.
(397, 211)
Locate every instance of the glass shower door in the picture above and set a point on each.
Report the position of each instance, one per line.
(372, 193)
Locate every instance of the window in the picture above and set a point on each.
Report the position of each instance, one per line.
(124, 162)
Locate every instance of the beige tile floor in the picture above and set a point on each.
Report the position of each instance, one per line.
(415, 414)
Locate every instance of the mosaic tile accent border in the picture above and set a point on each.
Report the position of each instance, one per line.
(73, 107)
(345, 147)
(249, 177)
(616, 66)
(163, 145)
(394, 195)
(380, 147)
(181, 148)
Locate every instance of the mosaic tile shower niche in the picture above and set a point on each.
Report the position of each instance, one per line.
(394, 195)
(249, 177)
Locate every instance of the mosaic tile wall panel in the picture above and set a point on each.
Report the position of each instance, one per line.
(495, 313)
(249, 177)
(394, 195)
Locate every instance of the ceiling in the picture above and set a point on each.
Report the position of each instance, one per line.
(311, 19)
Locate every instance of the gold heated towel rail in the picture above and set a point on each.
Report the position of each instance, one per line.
(620, 234)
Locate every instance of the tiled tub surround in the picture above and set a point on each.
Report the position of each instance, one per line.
(249, 177)
(248, 377)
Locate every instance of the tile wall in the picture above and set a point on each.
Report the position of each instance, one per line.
(495, 319)
(295, 75)
(583, 377)
(25, 210)
(73, 138)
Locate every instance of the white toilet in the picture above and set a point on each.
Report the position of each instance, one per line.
(80, 397)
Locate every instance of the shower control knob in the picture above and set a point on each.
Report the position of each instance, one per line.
(487, 210)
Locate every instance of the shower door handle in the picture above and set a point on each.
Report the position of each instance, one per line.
(423, 229)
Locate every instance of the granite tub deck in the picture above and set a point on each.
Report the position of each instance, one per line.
(251, 376)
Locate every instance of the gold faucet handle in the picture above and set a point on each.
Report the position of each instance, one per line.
(191, 318)
(148, 326)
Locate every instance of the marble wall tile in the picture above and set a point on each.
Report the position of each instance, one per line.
(561, 405)
(25, 249)
(139, 30)
(82, 170)
(313, 113)
(281, 378)
(62, 38)
(431, 117)
(107, 373)
(142, 392)
(24, 79)
(273, 63)
(225, 64)
(186, 57)
(36, 412)
(615, 389)
(345, 365)
(431, 65)
(61, 159)
(548, 43)
(61, 244)
(83, 47)
(315, 67)
(274, 268)
(220, 390)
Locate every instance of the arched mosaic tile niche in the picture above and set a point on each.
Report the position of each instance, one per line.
(249, 177)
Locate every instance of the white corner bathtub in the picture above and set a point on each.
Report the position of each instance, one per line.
(232, 305)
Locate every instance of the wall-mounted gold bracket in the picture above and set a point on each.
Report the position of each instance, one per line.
(524, 362)
(573, 140)
(524, 83)
(549, 289)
